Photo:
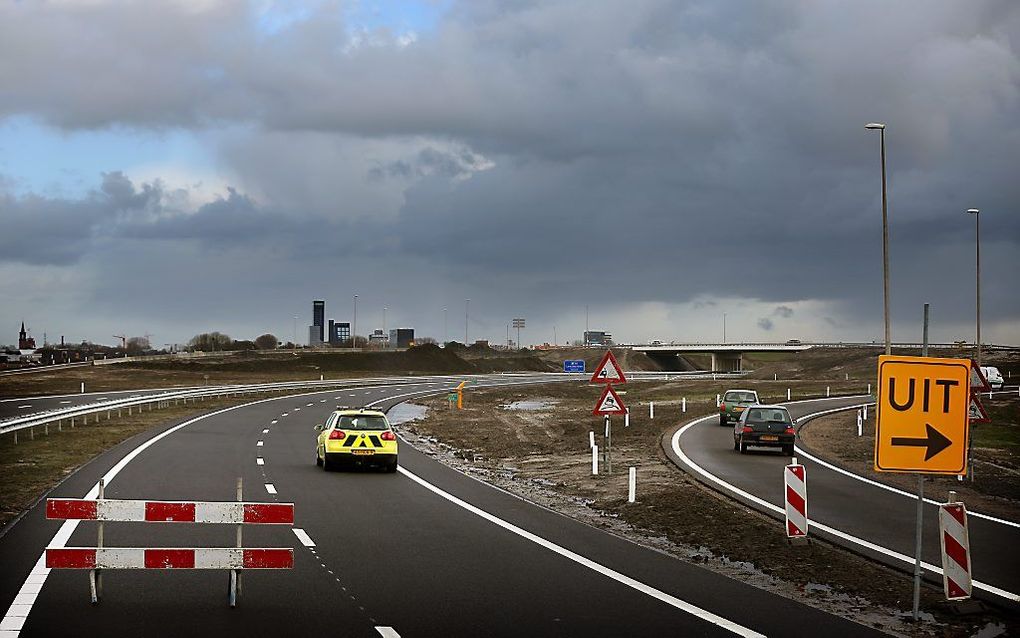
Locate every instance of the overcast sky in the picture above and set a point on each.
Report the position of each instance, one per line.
(177, 167)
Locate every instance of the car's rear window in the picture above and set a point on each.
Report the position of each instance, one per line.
(768, 415)
(740, 397)
(361, 423)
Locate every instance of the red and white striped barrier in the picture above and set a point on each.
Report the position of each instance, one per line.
(103, 510)
(796, 500)
(170, 511)
(168, 558)
(955, 540)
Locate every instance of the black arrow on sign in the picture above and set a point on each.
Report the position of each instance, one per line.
(935, 442)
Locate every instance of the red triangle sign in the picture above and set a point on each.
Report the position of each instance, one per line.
(977, 413)
(608, 370)
(609, 403)
(978, 381)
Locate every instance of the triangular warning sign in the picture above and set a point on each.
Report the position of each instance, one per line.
(978, 380)
(608, 370)
(977, 413)
(609, 403)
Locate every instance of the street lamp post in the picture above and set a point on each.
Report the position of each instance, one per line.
(977, 284)
(885, 235)
(446, 334)
(467, 309)
(354, 325)
(384, 324)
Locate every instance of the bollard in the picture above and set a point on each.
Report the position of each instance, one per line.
(775, 376)
(632, 485)
(869, 388)
(594, 460)
(683, 405)
(865, 413)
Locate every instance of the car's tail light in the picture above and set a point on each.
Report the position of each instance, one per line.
(789, 430)
(388, 436)
(747, 429)
(337, 434)
(722, 407)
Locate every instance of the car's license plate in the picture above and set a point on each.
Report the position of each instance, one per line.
(362, 452)
(769, 437)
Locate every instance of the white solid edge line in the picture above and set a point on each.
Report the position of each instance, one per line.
(387, 632)
(586, 562)
(889, 488)
(302, 536)
(29, 591)
(675, 444)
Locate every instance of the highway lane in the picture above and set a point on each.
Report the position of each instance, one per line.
(389, 551)
(850, 505)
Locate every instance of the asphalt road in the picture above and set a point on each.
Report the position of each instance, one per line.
(852, 506)
(391, 550)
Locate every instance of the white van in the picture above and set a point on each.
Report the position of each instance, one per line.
(994, 376)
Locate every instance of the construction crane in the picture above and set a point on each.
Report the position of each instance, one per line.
(123, 341)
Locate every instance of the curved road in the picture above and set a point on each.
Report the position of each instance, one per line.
(425, 552)
(850, 505)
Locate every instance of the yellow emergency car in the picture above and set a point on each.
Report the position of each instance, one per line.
(356, 437)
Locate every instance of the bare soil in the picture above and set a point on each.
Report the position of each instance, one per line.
(543, 455)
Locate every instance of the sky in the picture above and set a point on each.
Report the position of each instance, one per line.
(643, 167)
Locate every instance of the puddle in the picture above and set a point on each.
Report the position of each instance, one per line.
(405, 413)
(530, 406)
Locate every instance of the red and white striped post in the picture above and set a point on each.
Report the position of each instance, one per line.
(795, 478)
(955, 540)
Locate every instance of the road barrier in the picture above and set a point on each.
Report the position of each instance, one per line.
(235, 559)
(955, 541)
(795, 478)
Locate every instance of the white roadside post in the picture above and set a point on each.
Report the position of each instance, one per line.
(788, 394)
(591, 439)
(683, 405)
(626, 418)
(632, 485)
(869, 388)
(865, 413)
(651, 409)
(83, 387)
(826, 391)
(860, 424)
(594, 460)
(718, 400)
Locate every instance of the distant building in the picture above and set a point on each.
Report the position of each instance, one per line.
(314, 339)
(319, 319)
(340, 332)
(402, 337)
(598, 338)
(25, 342)
(378, 338)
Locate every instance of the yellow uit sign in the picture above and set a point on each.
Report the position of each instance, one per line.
(922, 422)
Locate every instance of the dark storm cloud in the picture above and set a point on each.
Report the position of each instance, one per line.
(553, 151)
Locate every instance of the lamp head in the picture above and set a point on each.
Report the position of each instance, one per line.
(973, 211)
(874, 126)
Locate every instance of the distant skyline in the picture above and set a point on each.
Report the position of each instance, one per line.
(219, 165)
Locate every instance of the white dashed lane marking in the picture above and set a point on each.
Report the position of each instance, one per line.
(259, 444)
(305, 539)
(22, 407)
(273, 422)
(387, 632)
(260, 461)
(270, 488)
(265, 431)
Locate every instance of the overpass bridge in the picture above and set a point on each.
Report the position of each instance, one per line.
(726, 357)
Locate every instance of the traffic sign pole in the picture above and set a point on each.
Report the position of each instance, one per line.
(920, 499)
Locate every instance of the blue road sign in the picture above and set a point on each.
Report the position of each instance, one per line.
(573, 365)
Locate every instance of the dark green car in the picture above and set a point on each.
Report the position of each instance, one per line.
(733, 403)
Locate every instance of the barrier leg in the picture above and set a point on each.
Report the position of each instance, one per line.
(235, 575)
